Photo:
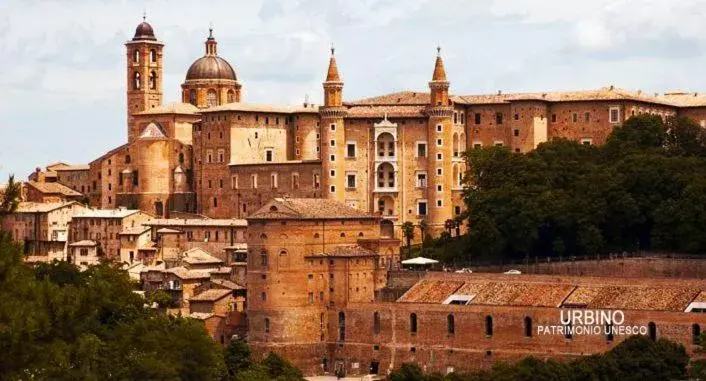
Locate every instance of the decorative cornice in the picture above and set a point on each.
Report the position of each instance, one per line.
(333, 112)
(439, 111)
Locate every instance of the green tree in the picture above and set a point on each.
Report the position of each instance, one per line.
(10, 197)
(237, 357)
(408, 233)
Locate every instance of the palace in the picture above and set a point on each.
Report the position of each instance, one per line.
(398, 155)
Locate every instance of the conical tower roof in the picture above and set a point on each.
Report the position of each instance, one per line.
(332, 74)
(439, 71)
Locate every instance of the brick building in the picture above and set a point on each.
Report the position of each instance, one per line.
(43, 228)
(96, 233)
(398, 154)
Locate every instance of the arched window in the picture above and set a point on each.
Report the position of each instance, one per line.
(450, 324)
(386, 145)
(652, 331)
(609, 336)
(316, 235)
(386, 176)
(341, 326)
(136, 81)
(696, 334)
(135, 56)
(528, 326)
(343, 235)
(462, 142)
(231, 96)
(153, 56)
(211, 98)
(282, 253)
(127, 159)
(413, 323)
(456, 145)
(263, 236)
(192, 97)
(153, 80)
(489, 325)
(181, 158)
(376, 322)
(267, 325)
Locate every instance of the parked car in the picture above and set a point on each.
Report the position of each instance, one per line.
(464, 270)
(513, 272)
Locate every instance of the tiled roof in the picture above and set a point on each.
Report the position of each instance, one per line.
(687, 99)
(307, 208)
(169, 231)
(227, 284)
(153, 131)
(548, 291)
(84, 243)
(348, 251)
(83, 167)
(211, 295)
(276, 163)
(54, 188)
(398, 98)
(633, 297)
(172, 108)
(249, 107)
(184, 273)
(105, 213)
(198, 255)
(392, 111)
(196, 222)
(430, 291)
(41, 207)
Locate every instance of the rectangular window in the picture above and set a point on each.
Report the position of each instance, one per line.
(421, 180)
(317, 181)
(439, 142)
(439, 171)
(421, 149)
(268, 155)
(422, 208)
(476, 118)
(517, 116)
(295, 180)
(273, 180)
(614, 115)
(332, 173)
(333, 157)
(498, 118)
(499, 143)
(439, 188)
(253, 179)
(221, 156)
(350, 181)
(516, 132)
(439, 156)
(332, 143)
(333, 127)
(350, 150)
(553, 118)
(587, 117)
(234, 182)
(439, 203)
(586, 141)
(477, 145)
(439, 127)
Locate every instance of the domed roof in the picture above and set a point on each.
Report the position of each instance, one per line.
(211, 67)
(144, 31)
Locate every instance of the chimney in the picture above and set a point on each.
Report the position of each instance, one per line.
(500, 92)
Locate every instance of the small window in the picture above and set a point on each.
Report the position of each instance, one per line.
(440, 128)
(439, 171)
(476, 118)
(614, 115)
(652, 331)
(421, 149)
(517, 117)
(575, 117)
(350, 150)
(498, 118)
(376, 323)
(439, 203)
(489, 325)
(422, 208)
(332, 143)
(528, 326)
(439, 142)
(413, 323)
(333, 157)
(450, 324)
(553, 118)
(421, 180)
(587, 117)
(516, 132)
(696, 334)
(350, 181)
(333, 127)
(153, 56)
(268, 155)
(439, 156)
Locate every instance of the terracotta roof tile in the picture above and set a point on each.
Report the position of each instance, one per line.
(41, 207)
(176, 222)
(307, 208)
(54, 188)
(348, 251)
(211, 295)
(172, 108)
(430, 291)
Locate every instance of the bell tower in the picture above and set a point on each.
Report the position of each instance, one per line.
(144, 74)
(333, 135)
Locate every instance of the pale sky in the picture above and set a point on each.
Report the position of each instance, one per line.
(62, 77)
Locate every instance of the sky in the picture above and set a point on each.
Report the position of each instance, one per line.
(62, 62)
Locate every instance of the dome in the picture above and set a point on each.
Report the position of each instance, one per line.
(211, 67)
(144, 31)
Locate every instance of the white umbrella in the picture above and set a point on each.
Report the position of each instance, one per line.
(419, 261)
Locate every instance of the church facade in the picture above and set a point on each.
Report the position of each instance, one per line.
(397, 155)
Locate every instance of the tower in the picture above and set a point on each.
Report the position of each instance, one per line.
(144, 74)
(333, 135)
(440, 135)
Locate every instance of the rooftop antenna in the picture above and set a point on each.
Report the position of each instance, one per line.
(438, 50)
(144, 15)
(306, 100)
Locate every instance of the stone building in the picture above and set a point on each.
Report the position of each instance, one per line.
(43, 228)
(398, 155)
(96, 233)
(43, 192)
